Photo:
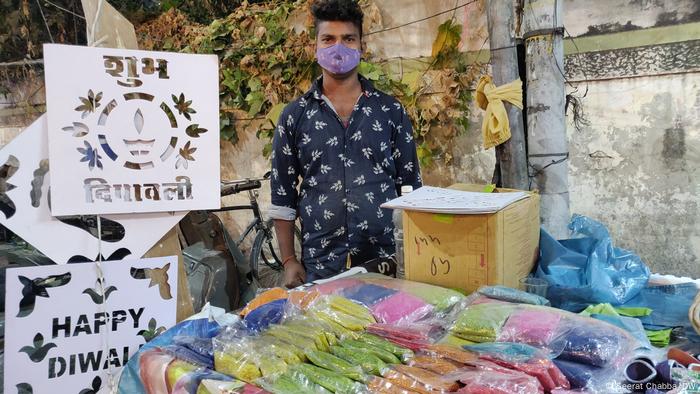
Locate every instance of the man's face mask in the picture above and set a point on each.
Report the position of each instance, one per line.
(338, 59)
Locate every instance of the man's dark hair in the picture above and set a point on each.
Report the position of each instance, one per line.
(337, 10)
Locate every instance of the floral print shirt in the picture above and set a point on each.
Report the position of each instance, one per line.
(346, 173)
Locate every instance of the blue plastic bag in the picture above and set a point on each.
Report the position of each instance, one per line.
(588, 269)
(130, 381)
(669, 305)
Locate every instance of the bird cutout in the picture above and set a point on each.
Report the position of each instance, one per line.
(7, 206)
(117, 255)
(111, 231)
(96, 294)
(96, 386)
(38, 182)
(152, 331)
(38, 352)
(37, 288)
(24, 388)
(158, 276)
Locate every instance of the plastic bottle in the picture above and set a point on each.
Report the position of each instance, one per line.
(397, 217)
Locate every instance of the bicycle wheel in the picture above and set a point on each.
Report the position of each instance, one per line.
(265, 258)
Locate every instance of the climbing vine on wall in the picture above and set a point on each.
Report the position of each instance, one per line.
(267, 59)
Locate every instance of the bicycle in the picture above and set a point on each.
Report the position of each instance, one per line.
(209, 265)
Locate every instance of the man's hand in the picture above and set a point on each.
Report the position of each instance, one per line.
(294, 274)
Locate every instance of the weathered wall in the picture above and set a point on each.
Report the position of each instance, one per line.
(636, 167)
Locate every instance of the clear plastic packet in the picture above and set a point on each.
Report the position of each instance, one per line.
(401, 308)
(369, 363)
(384, 355)
(534, 326)
(264, 297)
(290, 354)
(451, 353)
(420, 380)
(482, 322)
(185, 354)
(323, 333)
(332, 381)
(244, 360)
(291, 337)
(509, 351)
(291, 382)
(543, 369)
(508, 294)
(593, 342)
(202, 346)
(234, 358)
(440, 297)
(152, 366)
(260, 318)
(335, 286)
(184, 378)
(346, 313)
(401, 352)
(212, 386)
(384, 386)
(435, 364)
(367, 294)
(497, 382)
(413, 336)
(336, 364)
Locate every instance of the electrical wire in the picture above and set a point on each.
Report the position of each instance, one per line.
(64, 9)
(421, 19)
(41, 11)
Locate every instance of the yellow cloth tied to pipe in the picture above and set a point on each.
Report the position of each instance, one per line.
(496, 127)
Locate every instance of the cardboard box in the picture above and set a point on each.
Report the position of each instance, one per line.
(469, 251)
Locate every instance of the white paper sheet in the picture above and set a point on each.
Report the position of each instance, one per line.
(440, 200)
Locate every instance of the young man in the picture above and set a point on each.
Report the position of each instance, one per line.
(351, 145)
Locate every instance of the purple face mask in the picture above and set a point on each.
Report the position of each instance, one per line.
(338, 59)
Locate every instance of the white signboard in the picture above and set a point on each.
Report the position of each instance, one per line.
(132, 131)
(24, 209)
(66, 333)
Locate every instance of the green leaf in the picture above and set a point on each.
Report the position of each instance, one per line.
(267, 150)
(254, 84)
(411, 80)
(274, 114)
(255, 100)
(448, 38)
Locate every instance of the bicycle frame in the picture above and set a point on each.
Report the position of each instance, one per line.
(256, 224)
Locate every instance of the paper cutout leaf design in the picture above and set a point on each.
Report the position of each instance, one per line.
(96, 293)
(39, 350)
(78, 129)
(96, 386)
(152, 331)
(91, 156)
(185, 155)
(24, 388)
(183, 106)
(89, 104)
(37, 288)
(194, 130)
(38, 182)
(7, 206)
(117, 255)
(138, 121)
(158, 276)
